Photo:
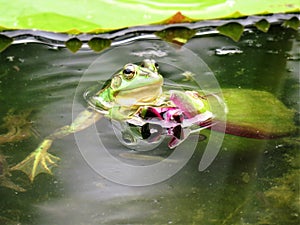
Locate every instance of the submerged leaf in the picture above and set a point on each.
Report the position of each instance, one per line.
(99, 44)
(4, 42)
(257, 114)
(5, 176)
(233, 30)
(177, 35)
(263, 25)
(73, 44)
(292, 23)
(17, 125)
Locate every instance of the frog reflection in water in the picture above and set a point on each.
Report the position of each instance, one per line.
(134, 97)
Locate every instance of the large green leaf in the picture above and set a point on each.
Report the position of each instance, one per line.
(100, 15)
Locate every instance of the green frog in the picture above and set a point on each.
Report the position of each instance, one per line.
(134, 96)
(134, 86)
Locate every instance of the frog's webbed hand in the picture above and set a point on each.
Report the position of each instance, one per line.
(40, 161)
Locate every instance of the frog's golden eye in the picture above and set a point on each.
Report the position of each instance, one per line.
(116, 82)
(129, 72)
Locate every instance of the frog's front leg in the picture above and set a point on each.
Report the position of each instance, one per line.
(40, 161)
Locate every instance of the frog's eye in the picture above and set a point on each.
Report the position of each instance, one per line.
(116, 82)
(150, 64)
(129, 72)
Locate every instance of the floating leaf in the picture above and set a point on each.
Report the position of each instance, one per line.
(53, 19)
(177, 18)
(98, 44)
(235, 14)
(177, 35)
(292, 23)
(233, 30)
(73, 44)
(4, 42)
(2, 28)
(263, 25)
(100, 15)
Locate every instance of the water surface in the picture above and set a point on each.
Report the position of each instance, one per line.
(250, 182)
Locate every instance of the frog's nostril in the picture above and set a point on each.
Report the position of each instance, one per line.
(116, 82)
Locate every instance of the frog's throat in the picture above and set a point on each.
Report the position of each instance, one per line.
(129, 98)
(136, 96)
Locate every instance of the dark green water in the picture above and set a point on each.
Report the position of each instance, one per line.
(250, 182)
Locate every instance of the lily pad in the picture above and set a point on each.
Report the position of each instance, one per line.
(292, 23)
(257, 114)
(176, 35)
(233, 30)
(4, 42)
(73, 44)
(101, 15)
(178, 18)
(263, 25)
(99, 44)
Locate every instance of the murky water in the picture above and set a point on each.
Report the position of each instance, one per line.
(250, 182)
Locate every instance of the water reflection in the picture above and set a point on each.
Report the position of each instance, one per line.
(237, 188)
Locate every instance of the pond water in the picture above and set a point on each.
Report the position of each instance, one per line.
(250, 181)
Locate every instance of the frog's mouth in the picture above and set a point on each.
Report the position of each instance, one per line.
(146, 87)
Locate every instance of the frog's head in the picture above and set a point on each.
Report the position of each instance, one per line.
(134, 85)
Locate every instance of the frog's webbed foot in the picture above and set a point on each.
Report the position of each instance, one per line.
(39, 161)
